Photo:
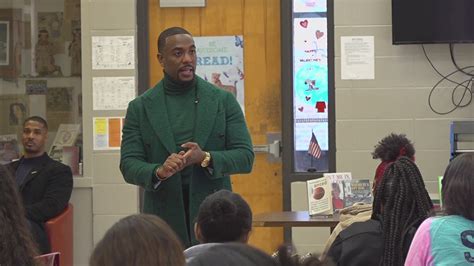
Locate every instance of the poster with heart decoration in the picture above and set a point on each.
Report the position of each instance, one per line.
(309, 6)
(310, 81)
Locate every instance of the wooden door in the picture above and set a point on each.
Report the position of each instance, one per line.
(259, 23)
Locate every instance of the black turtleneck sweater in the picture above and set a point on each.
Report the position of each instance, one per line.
(180, 103)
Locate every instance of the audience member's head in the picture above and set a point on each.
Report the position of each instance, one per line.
(388, 150)
(223, 216)
(232, 254)
(16, 243)
(401, 203)
(34, 137)
(140, 239)
(458, 186)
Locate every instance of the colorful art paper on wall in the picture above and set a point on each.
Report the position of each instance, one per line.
(107, 133)
(220, 60)
(310, 84)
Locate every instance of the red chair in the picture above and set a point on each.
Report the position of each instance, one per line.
(60, 235)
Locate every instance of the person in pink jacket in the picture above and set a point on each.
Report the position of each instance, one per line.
(449, 240)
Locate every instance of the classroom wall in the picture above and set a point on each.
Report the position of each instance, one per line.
(367, 110)
(259, 23)
(111, 198)
(395, 101)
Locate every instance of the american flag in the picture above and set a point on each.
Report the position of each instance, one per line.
(314, 149)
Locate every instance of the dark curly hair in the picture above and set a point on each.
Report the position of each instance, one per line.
(224, 216)
(392, 146)
(16, 242)
(388, 150)
(401, 203)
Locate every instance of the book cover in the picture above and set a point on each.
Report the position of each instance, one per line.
(337, 188)
(319, 196)
(357, 191)
(67, 135)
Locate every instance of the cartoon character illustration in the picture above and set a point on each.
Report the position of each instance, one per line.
(239, 42)
(215, 78)
(311, 85)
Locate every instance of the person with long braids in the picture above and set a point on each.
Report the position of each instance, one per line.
(401, 204)
(449, 240)
(388, 149)
(16, 243)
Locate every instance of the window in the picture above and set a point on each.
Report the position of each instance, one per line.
(307, 49)
(40, 75)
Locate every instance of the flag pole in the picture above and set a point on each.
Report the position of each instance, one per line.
(311, 169)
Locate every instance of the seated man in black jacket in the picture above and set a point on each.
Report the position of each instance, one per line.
(44, 184)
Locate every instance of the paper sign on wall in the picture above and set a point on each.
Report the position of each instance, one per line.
(113, 52)
(357, 57)
(113, 93)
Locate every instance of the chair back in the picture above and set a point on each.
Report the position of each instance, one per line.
(60, 234)
(50, 259)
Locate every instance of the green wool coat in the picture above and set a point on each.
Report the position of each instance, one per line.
(147, 141)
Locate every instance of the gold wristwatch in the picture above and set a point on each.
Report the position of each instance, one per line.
(207, 160)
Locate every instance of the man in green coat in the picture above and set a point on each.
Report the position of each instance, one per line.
(183, 138)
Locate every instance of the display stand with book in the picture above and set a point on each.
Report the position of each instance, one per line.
(337, 187)
(325, 192)
(319, 196)
(63, 148)
(357, 191)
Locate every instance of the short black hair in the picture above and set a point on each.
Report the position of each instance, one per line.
(36, 119)
(167, 33)
(224, 217)
(458, 186)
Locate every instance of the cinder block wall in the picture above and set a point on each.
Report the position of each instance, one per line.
(395, 101)
(112, 198)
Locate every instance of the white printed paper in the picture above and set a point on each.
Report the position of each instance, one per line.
(113, 52)
(112, 93)
(357, 57)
